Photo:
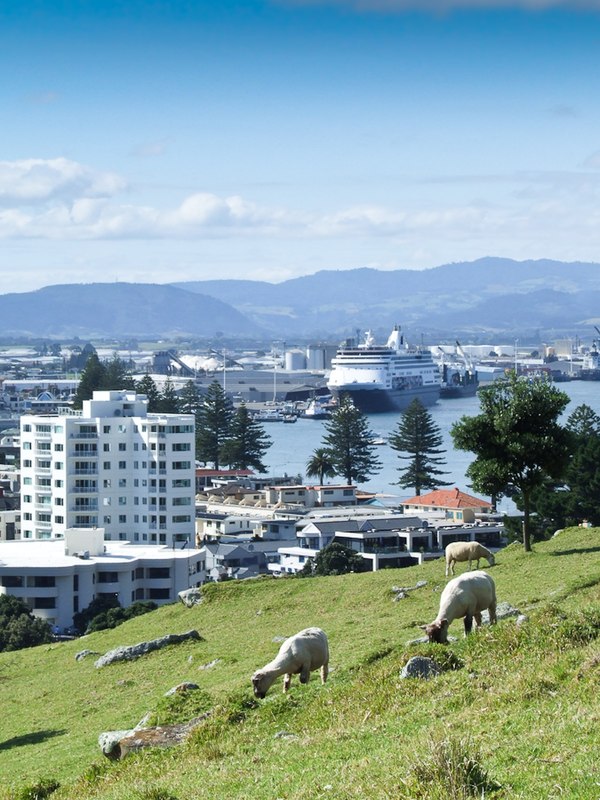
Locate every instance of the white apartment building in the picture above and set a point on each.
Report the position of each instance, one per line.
(56, 579)
(111, 465)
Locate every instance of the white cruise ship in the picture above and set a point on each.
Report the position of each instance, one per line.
(384, 377)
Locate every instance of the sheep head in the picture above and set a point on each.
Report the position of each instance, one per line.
(261, 682)
(438, 631)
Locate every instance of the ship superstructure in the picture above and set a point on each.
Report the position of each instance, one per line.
(384, 377)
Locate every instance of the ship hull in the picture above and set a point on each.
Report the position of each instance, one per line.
(452, 392)
(378, 401)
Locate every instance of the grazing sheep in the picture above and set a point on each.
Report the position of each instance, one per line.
(466, 596)
(466, 551)
(300, 654)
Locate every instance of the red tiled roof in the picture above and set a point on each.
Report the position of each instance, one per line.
(447, 498)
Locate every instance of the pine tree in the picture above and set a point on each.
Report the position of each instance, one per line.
(348, 441)
(247, 443)
(213, 424)
(148, 387)
(92, 378)
(168, 402)
(320, 465)
(117, 375)
(189, 399)
(417, 439)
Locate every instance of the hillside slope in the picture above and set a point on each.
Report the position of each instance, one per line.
(118, 309)
(524, 700)
(474, 299)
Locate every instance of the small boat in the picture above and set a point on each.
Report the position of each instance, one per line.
(316, 410)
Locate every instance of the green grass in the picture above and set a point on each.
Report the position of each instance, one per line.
(514, 714)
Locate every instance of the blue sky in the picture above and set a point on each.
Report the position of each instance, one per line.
(162, 141)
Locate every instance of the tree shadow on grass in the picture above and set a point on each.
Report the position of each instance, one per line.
(576, 550)
(35, 737)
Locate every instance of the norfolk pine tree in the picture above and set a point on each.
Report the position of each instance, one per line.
(213, 424)
(517, 440)
(348, 442)
(417, 439)
(247, 443)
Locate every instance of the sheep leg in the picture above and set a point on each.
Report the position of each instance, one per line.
(305, 674)
(324, 672)
(468, 623)
(447, 568)
(492, 611)
(477, 567)
(287, 679)
(477, 618)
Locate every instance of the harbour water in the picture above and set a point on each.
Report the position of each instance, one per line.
(294, 444)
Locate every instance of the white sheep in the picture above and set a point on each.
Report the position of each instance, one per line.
(466, 596)
(466, 551)
(300, 654)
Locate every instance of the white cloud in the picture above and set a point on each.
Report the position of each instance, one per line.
(36, 180)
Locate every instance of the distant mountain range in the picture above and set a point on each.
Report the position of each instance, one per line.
(482, 300)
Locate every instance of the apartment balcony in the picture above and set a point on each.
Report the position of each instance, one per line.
(84, 509)
(83, 436)
(84, 490)
(83, 454)
(91, 470)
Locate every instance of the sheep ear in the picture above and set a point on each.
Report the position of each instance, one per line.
(422, 627)
(444, 623)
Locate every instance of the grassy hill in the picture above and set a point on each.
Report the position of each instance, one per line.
(516, 708)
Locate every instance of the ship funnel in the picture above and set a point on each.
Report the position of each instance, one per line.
(395, 340)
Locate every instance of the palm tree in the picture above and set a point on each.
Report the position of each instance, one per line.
(319, 465)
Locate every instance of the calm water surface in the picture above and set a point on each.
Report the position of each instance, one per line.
(294, 444)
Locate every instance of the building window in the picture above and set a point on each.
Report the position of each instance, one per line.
(26, 445)
(42, 581)
(58, 448)
(27, 428)
(159, 572)
(122, 465)
(57, 464)
(59, 520)
(106, 447)
(106, 519)
(108, 577)
(12, 581)
(27, 462)
(181, 483)
(27, 498)
(122, 501)
(106, 465)
(59, 483)
(59, 501)
(44, 602)
(182, 501)
(27, 481)
(159, 594)
(181, 465)
(106, 429)
(181, 518)
(122, 519)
